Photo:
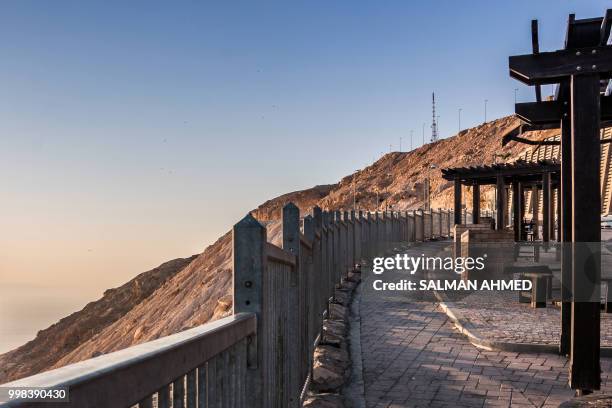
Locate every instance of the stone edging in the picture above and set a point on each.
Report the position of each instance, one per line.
(474, 336)
(331, 367)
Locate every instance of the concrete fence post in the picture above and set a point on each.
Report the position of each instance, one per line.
(362, 233)
(389, 226)
(405, 227)
(291, 244)
(379, 232)
(317, 216)
(369, 229)
(411, 225)
(421, 226)
(352, 241)
(248, 265)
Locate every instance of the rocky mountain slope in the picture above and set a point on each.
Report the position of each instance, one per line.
(61, 338)
(197, 290)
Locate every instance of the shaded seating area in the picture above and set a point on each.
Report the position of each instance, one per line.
(511, 181)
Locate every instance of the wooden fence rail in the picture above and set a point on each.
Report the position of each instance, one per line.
(261, 356)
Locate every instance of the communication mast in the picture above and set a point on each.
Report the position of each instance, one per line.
(434, 123)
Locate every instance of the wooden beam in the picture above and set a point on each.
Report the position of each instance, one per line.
(546, 207)
(457, 201)
(536, 113)
(554, 67)
(585, 370)
(517, 221)
(535, 198)
(475, 203)
(535, 48)
(551, 112)
(500, 203)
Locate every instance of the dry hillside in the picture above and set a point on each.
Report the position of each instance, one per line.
(194, 291)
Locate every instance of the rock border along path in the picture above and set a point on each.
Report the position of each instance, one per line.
(413, 356)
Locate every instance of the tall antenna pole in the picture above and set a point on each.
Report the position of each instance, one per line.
(459, 120)
(411, 145)
(400, 145)
(486, 100)
(434, 123)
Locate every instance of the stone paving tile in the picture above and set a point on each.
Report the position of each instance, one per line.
(413, 357)
(498, 316)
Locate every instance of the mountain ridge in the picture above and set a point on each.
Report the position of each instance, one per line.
(200, 291)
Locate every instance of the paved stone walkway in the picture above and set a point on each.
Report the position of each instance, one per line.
(413, 357)
(498, 316)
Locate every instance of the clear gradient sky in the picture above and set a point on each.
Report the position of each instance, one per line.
(136, 132)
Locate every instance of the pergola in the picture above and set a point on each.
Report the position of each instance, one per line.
(581, 106)
(520, 175)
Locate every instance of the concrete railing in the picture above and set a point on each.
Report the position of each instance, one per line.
(262, 355)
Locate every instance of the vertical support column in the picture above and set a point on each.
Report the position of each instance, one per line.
(457, 201)
(249, 263)
(535, 211)
(517, 221)
(475, 203)
(585, 370)
(546, 213)
(558, 219)
(291, 243)
(500, 202)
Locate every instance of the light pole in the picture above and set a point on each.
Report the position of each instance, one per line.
(485, 101)
(411, 132)
(423, 134)
(459, 120)
(400, 145)
(428, 191)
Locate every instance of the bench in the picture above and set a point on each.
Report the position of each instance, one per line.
(541, 283)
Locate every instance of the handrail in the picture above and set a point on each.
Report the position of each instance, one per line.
(262, 356)
(124, 377)
(279, 255)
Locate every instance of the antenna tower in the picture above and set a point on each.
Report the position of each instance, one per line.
(434, 123)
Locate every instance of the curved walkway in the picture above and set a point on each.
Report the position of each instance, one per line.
(412, 356)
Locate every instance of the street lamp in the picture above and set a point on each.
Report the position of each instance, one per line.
(485, 103)
(428, 189)
(459, 120)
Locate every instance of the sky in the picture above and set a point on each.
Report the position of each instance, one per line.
(136, 132)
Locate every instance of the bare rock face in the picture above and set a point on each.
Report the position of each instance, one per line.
(338, 311)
